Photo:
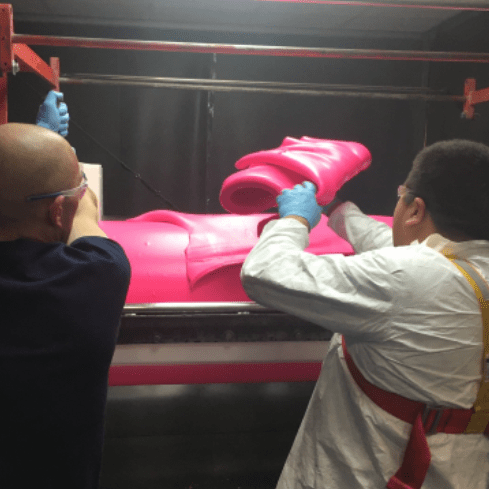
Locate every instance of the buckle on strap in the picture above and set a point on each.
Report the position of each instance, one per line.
(431, 418)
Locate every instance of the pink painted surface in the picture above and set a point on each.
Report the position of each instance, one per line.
(264, 174)
(178, 257)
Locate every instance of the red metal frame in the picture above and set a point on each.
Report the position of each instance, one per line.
(473, 97)
(6, 57)
(15, 57)
(214, 373)
(248, 49)
(28, 60)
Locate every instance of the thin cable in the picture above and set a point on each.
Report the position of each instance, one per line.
(136, 175)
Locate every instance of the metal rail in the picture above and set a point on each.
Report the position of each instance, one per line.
(194, 308)
(478, 6)
(311, 89)
(195, 47)
(269, 84)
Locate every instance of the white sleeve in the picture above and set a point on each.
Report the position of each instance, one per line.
(349, 295)
(360, 230)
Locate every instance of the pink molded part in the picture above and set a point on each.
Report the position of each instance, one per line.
(178, 257)
(215, 241)
(255, 189)
(264, 174)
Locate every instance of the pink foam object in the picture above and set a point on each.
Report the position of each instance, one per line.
(178, 257)
(264, 174)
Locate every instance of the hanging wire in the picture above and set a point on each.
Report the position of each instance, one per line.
(136, 175)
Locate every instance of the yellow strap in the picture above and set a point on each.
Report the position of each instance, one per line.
(480, 418)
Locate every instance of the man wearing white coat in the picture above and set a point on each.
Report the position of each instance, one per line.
(406, 319)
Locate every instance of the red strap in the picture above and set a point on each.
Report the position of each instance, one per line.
(400, 407)
(416, 462)
(407, 410)
(417, 456)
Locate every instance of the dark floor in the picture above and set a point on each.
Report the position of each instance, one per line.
(215, 436)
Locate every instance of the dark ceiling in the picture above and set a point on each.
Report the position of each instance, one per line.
(242, 16)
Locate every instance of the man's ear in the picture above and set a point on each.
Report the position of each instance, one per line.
(416, 212)
(56, 210)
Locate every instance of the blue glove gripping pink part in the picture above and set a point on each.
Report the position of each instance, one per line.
(264, 174)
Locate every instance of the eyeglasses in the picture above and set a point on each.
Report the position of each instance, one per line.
(402, 190)
(72, 192)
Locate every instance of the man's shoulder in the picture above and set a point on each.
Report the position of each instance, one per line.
(101, 244)
(416, 262)
(97, 249)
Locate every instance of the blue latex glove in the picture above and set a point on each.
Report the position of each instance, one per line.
(300, 201)
(53, 114)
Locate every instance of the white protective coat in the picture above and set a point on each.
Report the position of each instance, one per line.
(413, 326)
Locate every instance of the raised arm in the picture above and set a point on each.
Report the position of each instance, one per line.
(344, 294)
(85, 222)
(333, 291)
(360, 230)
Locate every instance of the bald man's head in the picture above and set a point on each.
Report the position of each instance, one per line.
(33, 160)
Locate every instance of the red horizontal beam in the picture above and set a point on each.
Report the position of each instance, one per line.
(234, 373)
(480, 96)
(473, 97)
(28, 60)
(195, 47)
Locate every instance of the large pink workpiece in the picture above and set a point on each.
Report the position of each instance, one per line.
(178, 257)
(264, 174)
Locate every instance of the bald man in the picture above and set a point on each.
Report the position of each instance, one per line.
(63, 285)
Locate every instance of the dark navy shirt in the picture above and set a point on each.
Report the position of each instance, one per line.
(60, 309)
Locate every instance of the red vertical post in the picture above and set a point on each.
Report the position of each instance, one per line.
(469, 90)
(6, 56)
(54, 63)
(3, 99)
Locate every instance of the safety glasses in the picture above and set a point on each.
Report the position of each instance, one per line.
(72, 192)
(402, 190)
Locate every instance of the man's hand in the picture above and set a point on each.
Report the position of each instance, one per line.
(85, 222)
(53, 114)
(88, 206)
(301, 202)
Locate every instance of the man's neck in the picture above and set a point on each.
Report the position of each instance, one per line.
(9, 235)
(33, 233)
